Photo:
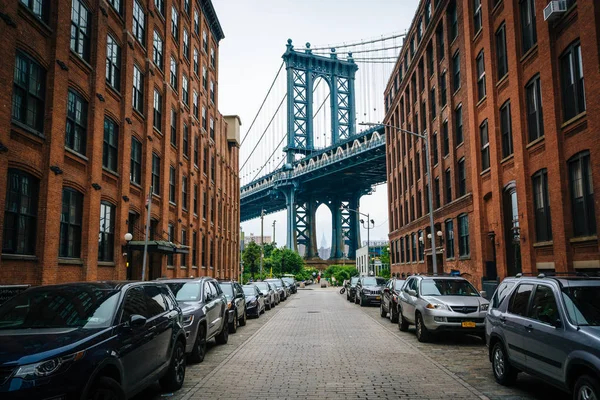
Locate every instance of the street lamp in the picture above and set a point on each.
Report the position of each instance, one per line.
(429, 181)
(368, 227)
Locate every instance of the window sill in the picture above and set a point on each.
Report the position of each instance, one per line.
(507, 158)
(157, 196)
(543, 244)
(460, 145)
(19, 257)
(76, 154)
(581, 239)
(486, 171)
(450, 259)
(83, 64)
(480, 102)
(535, 142)
(138, 114)
(30, 130)
(497, 7)
(44, 28)
(461, 258)
(113, 91)
(70, 261)
(529, 53)
(170, 267)
(478, 34)
(111, 172)
(106, 263)
(572, 121)
(502, 80)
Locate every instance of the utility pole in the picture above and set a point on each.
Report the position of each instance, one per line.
(145, 258)
(262, 239)
(273, 239)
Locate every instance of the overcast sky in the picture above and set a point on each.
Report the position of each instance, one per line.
(250, 55)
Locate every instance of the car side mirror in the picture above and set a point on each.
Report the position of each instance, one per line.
(483, 294)
(260, 294)
(557, 323)
(412, 292)
(137, 321)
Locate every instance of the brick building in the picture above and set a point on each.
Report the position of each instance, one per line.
(509, 104)
(105, 101)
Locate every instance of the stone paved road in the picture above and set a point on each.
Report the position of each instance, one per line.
(319, 346)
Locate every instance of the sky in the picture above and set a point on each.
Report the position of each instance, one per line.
(256, 32)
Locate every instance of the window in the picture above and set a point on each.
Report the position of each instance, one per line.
(155, 174)
(501, 293)
(204, 41)
(205, 161)
(204, 78)
(456, 71)
(477, 22)
(582, 195)
(458, 121)
(186, 6)
(462, 177)
(196, 65)
(485, 145)
(453, 17)
(175, 24)
(528, 30)
(436, 188)
(136, 161)
(212, 128)
(501, 56)
(173, 127)
(196, 145)
(519, 301)
(212, 57)
(410, 172)
(449, 239)
(543, 224)
(543, 306)
(463, 233)
(571, 74)
(434, 145)
(506, 130)
(173, 73)
(186, 140)
(407, 244)
(195, 199)
(139, 23)
(70, 224)
(212, 91)
(29, 92)
(446, 138)
(110, 145)
(419, 204)
(427, 199)
(157, 54)
(20, 213)
(138, 89)
(421, 77)
(106, 248)
(171, 237)
(196, 22)
(480, 76)
(195, 104)
(421, 246)
(185, 90)
(427, 12)
(443, 90)
(194, 249)
(204, 205)
(402, 250)
(440, 41)
(186, 43)
(184, 194)
(172, 178)
(414, 247)
(212, 168)
(534, 109)
(418, 165)
(160, 6)
(430, 59)
(40, 8)
(448, 185)
(80, 29)
(113, 63)
(76, 136)
(157, 122)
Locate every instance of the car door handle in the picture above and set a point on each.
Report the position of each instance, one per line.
(529, 328)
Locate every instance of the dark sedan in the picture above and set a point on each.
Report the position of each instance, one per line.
(390, 298)
(351, 289)
(368, 290)
(236, 305)
(255, 301)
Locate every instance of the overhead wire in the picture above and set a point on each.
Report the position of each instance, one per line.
(361, 43)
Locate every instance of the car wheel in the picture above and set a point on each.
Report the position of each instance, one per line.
(382, 312)
(106, 388)
(362, 302)
(173, 379)
(402, 323)
(199, 350)
(586, 388)
(234, 324)
(269, 306)
(423, 335)
(393, 314)
(504, 372)
(244, 318)
(223, 336)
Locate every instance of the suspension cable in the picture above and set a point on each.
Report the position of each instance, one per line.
(394, 36)
(368, 50)
(265, 164)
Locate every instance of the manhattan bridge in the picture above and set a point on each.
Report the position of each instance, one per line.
(306, 145)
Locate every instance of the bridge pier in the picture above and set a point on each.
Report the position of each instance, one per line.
(289, 192)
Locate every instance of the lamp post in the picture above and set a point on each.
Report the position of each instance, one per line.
(273, 239)
(262, 239)
(429, 182)
(368, 227)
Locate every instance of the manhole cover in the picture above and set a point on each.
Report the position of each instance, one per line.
(314, 312)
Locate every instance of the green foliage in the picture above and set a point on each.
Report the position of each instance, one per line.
(385, 256)
(268, 249)
(384, 273)
(340, 273)
(251, 259)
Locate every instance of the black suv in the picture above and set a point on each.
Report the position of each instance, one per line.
(368, 290)
(351, 288)
(390, 298)
(92, 339)
(236, 304)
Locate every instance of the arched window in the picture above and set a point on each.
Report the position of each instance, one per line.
(582, 194)
(70, 224)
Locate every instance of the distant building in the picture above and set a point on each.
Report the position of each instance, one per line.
(364, 263)
(257, 239)
(324, 252)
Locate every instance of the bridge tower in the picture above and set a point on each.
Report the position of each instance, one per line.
(303, 69)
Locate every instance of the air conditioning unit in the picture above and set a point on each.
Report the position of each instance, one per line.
(555, 9)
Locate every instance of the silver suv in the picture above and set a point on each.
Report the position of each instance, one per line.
(548, 327)
(441, 304)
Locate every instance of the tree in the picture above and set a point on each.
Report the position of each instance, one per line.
(251, 258)
(285, 261)
(385, 256)
(268, 249)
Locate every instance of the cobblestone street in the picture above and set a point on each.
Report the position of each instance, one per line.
(318, 346)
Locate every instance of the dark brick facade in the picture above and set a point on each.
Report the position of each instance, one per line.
(44, 155)
(498, 244)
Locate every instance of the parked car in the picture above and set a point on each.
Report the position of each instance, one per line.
(269, 293)
(236, 304)
(351, 289)
(292, 284)
(204, 307)
(441, 304)
(368, 290)
(255, 301)
(90, 340)
(279, 286)
(548, 327)
(389, 299)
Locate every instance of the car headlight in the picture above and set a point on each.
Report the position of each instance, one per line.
(253, 303)
(188, 319)
(484, 307)
(433, 306)
(48, 367)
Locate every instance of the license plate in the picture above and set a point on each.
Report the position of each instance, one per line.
(468, 324)
(378, 298)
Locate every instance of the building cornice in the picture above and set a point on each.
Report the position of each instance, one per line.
(213, 21)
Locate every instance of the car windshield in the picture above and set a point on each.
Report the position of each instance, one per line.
(263, 286)
(447, 287)
(399, 284)
(85, 307)
(185, 291)
(583, 304)
(354, 280)
(373, 282)
(288, 280)
(276, 283)
(227, 289)
(249, 291)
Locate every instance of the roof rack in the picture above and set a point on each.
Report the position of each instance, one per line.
(552, 274)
